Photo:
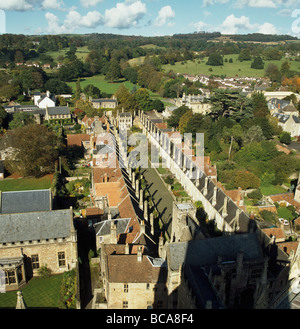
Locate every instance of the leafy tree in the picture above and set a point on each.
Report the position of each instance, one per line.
(254, 134)
(34, 150)
(285, 69)
(257, 63)
(92, 91)
(285, 137)
(142, 97)
(195, 124)
(73, 70)
(9, 92)
(78, 89)
(246, 180)
(271, 53)
(3, 118)
(273, 73)
(183, 122)
(57, 86)
(114, 71)
(174, 119)
(285, 165)
(244, 55)
(131, 74)
(215, 59)
(235, 137)
(260, 105)
(21, 119)
(157, 105)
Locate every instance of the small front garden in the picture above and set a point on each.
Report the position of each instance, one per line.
(46, 291)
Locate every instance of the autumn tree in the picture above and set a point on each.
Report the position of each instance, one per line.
(34, 150)
(246, 180)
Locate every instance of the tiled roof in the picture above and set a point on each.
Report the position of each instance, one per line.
(288, 246)
(133, 271)
(77, 139)
(275, 231)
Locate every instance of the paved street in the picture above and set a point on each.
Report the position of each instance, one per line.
(161, 197)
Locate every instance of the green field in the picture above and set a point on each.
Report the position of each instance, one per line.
(100, 82)
(81, 53)
(25, 184)
(236, 68)
(39, 293)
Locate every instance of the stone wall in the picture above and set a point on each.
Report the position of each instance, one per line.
(46, 251)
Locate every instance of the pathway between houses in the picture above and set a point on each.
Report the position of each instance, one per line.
(161, 197)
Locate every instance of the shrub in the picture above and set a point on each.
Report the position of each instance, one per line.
(169, 180)
(44, 271)
(68, 290)
(269, 216)
(256, 194)
(285, 137)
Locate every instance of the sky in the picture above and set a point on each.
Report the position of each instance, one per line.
(149, 17)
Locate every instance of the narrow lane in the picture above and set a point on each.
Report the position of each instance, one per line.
(161, 197)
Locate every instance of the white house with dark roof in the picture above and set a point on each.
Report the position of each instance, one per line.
(288, 119)
(44, 100)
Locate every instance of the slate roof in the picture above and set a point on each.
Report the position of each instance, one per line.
(103, 228)
(58, 110)
(206, 252)
(201, 287)
(25, 201)
(35, 225)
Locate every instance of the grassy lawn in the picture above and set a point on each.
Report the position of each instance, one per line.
(100, 82)
(25, 184)
(271, 189)
(39, 293)
(229, 69)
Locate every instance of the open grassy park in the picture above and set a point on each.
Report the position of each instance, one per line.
(104, 85)
(236, 68)
(81, 53)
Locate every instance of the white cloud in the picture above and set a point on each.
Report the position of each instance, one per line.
(256, 3)
(164, 16)
(125, 14)
(53, 25)
(267, 28)
(266, 3)
(200, 26)
(231, 24)
(90, 3)
(207, 3)
(73, 21)
(18, 5)
(52, 4)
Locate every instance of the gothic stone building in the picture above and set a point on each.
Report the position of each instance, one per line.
(31, 240)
